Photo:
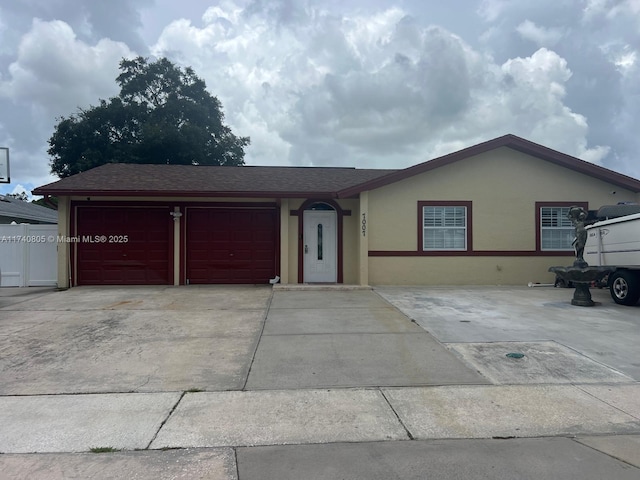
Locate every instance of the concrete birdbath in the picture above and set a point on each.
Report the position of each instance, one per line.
(580, 273)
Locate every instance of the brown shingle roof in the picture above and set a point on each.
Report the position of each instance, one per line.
(188, 180)
(191, 181)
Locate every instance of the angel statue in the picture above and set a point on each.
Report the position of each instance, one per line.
(578, 215)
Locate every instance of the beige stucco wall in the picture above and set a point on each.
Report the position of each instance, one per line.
(463, 270)
(351, 228)
(294, 204)
(64, 268)
(285, 217)
(503, 186)
(363, 239)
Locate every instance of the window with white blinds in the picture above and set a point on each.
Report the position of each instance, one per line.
(444, 227)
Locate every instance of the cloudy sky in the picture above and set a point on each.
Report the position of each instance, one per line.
(364, 83)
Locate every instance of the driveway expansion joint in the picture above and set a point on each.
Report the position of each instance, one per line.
(411, 437)
(584, 388)
(173, 409)
(255, 349)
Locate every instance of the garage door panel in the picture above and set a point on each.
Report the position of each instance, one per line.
(146, 256)
(230, 245)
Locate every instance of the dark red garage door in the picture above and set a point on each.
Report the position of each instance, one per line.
(230, 245)
(124, 245)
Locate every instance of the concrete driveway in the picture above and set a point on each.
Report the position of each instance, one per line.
(133, 339)
(316, 339)
(563, 343)
(243, 383)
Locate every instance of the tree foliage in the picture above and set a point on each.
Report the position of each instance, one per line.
(51, 202)
(18, 196)
(163, 115)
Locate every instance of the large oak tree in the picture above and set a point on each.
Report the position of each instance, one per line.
(163, 114)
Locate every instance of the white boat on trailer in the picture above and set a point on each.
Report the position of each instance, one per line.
(616, 243)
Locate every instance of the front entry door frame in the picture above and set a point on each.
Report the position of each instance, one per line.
(320, 246)
(340, 213)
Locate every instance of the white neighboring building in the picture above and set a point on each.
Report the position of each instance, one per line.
(19, 211)
(28, 248)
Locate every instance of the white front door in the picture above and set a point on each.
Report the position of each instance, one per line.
(320, 246)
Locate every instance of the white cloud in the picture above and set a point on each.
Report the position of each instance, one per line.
(600, 44)
(610, 9)
(594, 9)
(490, 10)
(623, 56)
(57, 72)
(543, 37)
(19, 189)
(627, 60)
(372, 90)
(52, 74)
(4, 43)
(524, 96)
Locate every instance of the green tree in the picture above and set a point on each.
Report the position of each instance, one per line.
(18, 196)
(163, 114)
(51, 202)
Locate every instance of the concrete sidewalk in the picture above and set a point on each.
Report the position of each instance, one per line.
(76, 423)
(340, 384)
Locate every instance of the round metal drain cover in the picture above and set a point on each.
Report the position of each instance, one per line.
(515, 355)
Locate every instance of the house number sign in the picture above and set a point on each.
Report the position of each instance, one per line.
(364, 224)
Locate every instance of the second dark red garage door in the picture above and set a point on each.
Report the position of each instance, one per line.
(230, 245)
